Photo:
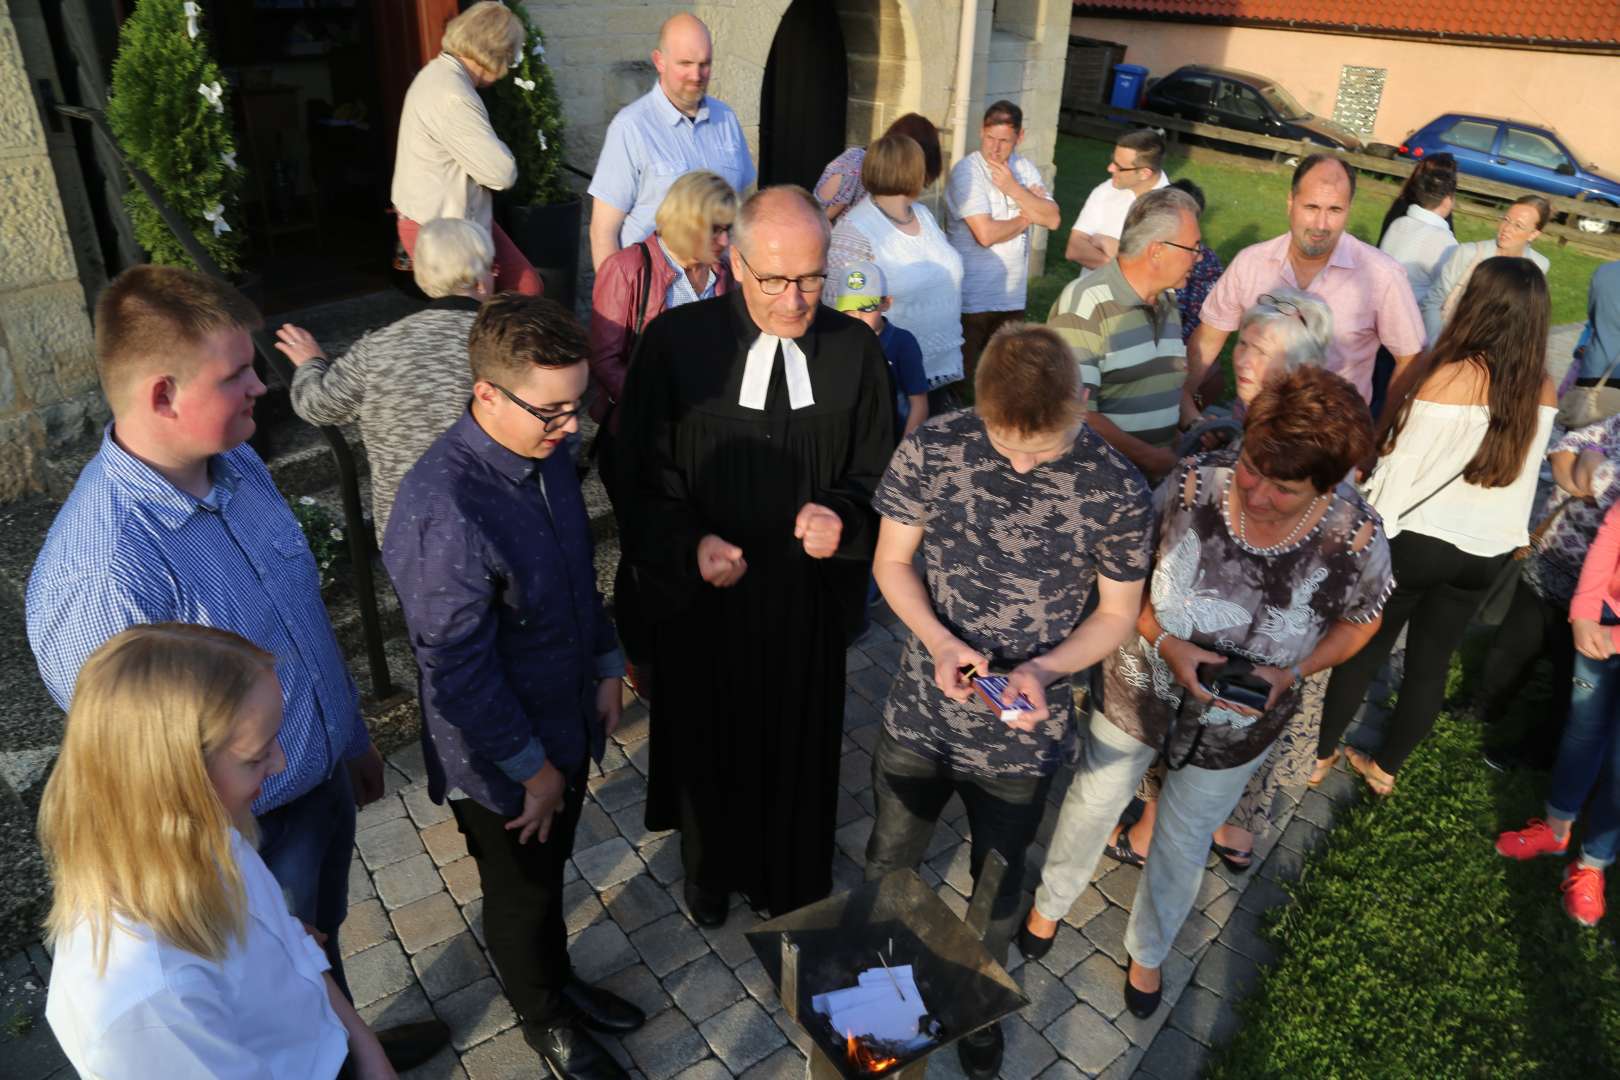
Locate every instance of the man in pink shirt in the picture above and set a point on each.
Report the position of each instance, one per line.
(1366, 289)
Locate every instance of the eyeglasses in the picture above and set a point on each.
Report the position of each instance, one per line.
(554, 419)
(1287, 307)
(1124, 168)
(1516, 227)
(777, 285)
(719, 230)
(1196, 249)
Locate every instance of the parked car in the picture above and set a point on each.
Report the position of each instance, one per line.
(1244, 101)
(1513, 152)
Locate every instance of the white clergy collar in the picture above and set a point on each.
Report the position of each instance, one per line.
(756, 378)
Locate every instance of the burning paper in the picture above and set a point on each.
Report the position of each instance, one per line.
(884, 1006)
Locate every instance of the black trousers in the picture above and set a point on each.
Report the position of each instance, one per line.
(1003, 813)
(1531, 629)
(523, 902)
(1438, 588)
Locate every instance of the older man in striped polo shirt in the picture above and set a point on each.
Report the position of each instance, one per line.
(1124, 329)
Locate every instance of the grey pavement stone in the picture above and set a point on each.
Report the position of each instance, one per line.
(954, 867)
(640, 756)
(741, 1035)
(1048, 997)
(408, 760)
(360, 886)
(608, 863)
(848, 809)
(632, 824)
(1087, 906)
(1302, 835)
(441, 1066)
(613, 757)
(1317, 809)
(1195, 933)
(595, 826)
(406, 1007)
(580, 906)
(618, 789)
(461, 878)
(846, 872)
(730, 942)
(1283, 865)
(1205, 1016)
(445, 842)
(423, 810)
(636, 902)
(1209, 890)
(1120, 883)
(450, 965)
(1107, 932)
(1123, 1068)
(507, 1056)
(1339, 788)
(1063, 1070)
(1067, 950)
(866, 736)
(364, 926)
(476, 1013)
(670, 943)
(855, 660)
(384, 809)
(632, 725)
(388, 843)
(855, 771)
(758, 984)
(707, 1069)
(953, 900)
(886, 655)
(1242, 933)
(1220, 909)
(871, 683)
(599, 950)
(428, 922)
(703, 987)
(1173, 1055)
(663, 859)
(1229, 974)
(1262, 896)
(407, 881)
(859, 712)
(786, 1064)
(1027, 1053)
(34, 1055)
(378, 972)
(851, 839)
(1174, 976)
(1084, 1036)
(1100, 983)
(639, 987)
(665, 1045)
(473, 912)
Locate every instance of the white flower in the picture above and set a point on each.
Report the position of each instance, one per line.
(213, 93)
(193, 13)
(542, 135)
(539, 49)
(228, 158)
(306, 500)
(527, 84)
(337, 534)
(217, 216)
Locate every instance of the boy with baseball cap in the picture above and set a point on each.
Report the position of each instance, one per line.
(861, 294)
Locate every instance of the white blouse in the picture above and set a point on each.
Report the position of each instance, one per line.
(923, 274)
(1434, 446)
(262, 1012)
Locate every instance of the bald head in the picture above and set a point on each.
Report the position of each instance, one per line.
(778, 248)
(683, 58)
(773, 214)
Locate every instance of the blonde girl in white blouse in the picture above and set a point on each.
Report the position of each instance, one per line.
(174, 952)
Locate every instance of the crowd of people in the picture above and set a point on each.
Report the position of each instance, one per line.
(804, 399)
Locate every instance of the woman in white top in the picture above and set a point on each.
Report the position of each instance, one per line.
(1521, 223)
(1454, 484)
(174, 953)
(448, 158)
(922, 270)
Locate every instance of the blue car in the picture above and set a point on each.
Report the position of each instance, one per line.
(1511, 152)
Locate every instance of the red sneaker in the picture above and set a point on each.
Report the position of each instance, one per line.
(1583, 894)
(1532, 841)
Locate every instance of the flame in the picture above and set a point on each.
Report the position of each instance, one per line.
(864, 1058)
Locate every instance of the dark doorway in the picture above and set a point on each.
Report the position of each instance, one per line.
(805, 96)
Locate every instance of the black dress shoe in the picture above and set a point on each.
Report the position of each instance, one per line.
(602, 1010)
(1032, 945)
(1141, 1003)
(980, 1052)
(409, 1045)
(570, 1053)
(707, 908)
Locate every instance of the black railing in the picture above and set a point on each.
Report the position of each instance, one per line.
(361, 546)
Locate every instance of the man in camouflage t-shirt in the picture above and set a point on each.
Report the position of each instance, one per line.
(1021, 512)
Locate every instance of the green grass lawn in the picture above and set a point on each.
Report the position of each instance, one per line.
(1413, 950)
(1247, 204)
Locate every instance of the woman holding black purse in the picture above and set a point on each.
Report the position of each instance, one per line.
(1269, 570)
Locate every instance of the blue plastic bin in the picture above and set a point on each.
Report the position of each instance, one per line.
(1129, 81)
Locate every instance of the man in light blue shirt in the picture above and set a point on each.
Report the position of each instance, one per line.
(675, 128)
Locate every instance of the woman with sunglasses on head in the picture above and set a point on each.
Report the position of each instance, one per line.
(1269, 570)
(924, 272)
(1521, 224)
(1459, 457)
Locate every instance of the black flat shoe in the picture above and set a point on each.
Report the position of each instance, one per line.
(1032, 945)
(1121, 850)
(570, 1053)
(1141, 1003)
(601, 1010)
(408, 1045)
(1237, 860)
(980, 1052)
(708, 909)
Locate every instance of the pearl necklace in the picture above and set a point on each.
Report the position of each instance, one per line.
(910, 216)
(1243, 529)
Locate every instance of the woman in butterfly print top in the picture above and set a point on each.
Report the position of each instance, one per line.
(1275, 559)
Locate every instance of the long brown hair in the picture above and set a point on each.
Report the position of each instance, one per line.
(1500, 326)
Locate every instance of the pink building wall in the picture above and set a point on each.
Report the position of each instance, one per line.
(1576, 94)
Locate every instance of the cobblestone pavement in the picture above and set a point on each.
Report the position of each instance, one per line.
(413, 941)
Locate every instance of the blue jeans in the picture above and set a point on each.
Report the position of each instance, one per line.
(1589, 759)
(307, 844)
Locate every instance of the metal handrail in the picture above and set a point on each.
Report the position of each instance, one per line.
(361, 549)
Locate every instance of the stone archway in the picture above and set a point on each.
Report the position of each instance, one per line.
(885, 66)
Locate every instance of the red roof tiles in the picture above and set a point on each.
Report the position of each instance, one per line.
(1592, 22)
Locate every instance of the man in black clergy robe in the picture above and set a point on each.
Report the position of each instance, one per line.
(756, 427)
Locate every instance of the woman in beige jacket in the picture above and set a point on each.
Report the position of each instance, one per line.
(449, 158)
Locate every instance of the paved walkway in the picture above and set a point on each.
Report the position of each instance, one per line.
(413, 939)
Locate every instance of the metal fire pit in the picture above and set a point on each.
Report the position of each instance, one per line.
(825, 945)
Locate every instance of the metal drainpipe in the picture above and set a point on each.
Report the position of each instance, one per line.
(964, 80)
